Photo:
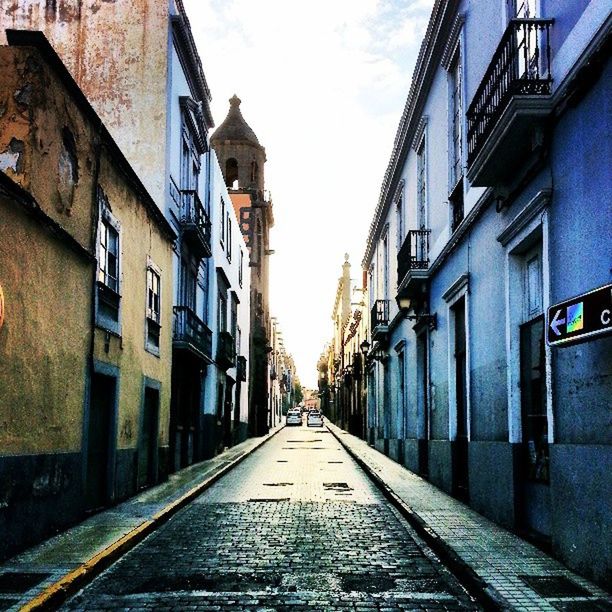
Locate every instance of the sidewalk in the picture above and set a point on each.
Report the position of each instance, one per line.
(493, 559)
(40, 577)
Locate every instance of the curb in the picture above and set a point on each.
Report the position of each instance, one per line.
(57, 593)
(474, 584)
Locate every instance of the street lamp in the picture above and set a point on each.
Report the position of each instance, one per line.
(405, 303)
(365, 347)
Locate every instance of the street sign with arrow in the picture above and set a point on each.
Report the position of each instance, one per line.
(580, 318)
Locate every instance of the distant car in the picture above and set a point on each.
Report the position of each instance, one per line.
(314, 419)
(294, 417)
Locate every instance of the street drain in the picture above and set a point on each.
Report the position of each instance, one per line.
(302, 441)
(335, 462)
(366, 583)
(341, 487)
(215, 583)
(281, 461)
(554, 586)
(277, 484)
(424, 585)
(269, 499)
(20, 582)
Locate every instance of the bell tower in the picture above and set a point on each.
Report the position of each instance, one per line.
(242, 158)
(240, 155)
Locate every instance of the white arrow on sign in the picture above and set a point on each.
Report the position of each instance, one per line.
(557, 321)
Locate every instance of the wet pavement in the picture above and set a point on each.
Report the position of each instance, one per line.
(297, 525)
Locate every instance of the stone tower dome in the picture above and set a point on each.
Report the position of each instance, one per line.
(240, 155)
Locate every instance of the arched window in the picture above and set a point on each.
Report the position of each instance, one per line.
(231, 172)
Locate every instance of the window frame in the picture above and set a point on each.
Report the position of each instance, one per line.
(222, 235)
(105, 293)
(228, 246)
(153, 323)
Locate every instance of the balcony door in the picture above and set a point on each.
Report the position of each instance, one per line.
(189, 279)
(522, 9)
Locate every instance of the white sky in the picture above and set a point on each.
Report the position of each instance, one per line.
(323, 84)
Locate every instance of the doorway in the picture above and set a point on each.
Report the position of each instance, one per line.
(422, 403)
(147, 455)
(461, 468)
(100, 441)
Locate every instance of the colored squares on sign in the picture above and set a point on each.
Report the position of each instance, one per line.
(575, 317)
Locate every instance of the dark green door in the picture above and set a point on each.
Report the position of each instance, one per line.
(99, 440)
(147, 455)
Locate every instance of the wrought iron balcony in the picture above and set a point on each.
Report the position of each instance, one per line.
(414, 253)
(519, 70)
(380, 320)
(226, 350)
(195, 223)
(190, 333)
(241, 365)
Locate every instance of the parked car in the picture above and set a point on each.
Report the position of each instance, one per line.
(294, 417)
(314, 419)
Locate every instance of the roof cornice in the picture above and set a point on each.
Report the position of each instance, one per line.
(428, 60)
(190, 60)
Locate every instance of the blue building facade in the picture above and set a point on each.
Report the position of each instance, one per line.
(495, 206)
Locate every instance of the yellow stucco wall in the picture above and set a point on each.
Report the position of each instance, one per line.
(140, 239)
(45, 337)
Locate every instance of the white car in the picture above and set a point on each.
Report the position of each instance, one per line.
(314, 419)
(294, 417)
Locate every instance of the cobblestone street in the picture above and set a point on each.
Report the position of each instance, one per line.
(297, 525)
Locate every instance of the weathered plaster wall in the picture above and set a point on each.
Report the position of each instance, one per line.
(117, 53)
(46, 144)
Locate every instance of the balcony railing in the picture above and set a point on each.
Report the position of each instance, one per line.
(241, 365)
(191, 333)
(380, 314)
(226, 350)
(195, 223)
(520, 66)
(414, 254)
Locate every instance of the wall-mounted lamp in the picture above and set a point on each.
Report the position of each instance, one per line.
(405, 304)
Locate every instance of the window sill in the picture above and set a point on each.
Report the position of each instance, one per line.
(153, 350)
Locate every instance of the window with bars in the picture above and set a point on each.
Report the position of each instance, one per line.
(241, 267)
